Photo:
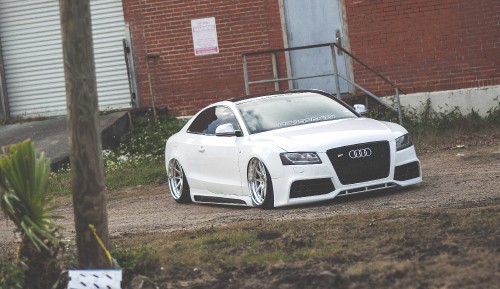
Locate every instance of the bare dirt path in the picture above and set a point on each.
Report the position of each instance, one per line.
(461, 177)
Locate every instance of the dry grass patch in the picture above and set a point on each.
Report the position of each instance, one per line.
(454, 248)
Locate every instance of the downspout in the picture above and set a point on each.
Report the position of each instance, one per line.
(284, 34)
(4, 105)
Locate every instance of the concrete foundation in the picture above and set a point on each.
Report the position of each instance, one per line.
(51, 135)
(482, 100)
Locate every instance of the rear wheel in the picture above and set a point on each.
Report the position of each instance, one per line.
(260, 184)
(177, 183)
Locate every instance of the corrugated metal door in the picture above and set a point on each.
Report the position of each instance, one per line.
(30, 34)
(108, 30)
(315, 22)
(32, 51)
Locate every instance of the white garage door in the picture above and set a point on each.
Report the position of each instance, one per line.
(30, 36)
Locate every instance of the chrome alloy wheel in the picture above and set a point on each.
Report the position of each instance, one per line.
(257, 181)
(175, 179)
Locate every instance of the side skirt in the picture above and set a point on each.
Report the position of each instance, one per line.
(219, 200)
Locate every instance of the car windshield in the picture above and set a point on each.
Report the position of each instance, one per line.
(279, 111)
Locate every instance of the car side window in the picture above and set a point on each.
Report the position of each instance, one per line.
(223, 115)
(209, 119)
(201, 122)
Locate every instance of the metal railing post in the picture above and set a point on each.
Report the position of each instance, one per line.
(275, 72)
(245, 75)
(400, 113)
(335, 74)
(335, 71)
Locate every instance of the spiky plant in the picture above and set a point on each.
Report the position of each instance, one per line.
(24, 200)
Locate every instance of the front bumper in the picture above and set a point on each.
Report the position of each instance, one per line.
(312, 183)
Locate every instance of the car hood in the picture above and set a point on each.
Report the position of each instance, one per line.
(322, 136)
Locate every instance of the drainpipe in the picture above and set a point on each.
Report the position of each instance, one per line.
(4, 108)
(153, 56)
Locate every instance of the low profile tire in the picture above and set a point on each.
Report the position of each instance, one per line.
(177, 183)
(260, 184)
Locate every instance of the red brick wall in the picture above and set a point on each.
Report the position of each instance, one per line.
(422, 45)
(426, 45)
(183, 82)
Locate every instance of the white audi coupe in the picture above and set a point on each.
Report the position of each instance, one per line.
(286, 149)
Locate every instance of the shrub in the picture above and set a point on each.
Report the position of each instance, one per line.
(149, 138)
(426, 119)
(136, 261)
(125, 169)
(24, 200)
(11, 274)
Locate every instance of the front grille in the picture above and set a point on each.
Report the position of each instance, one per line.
(361, 162)
(308, 188)
(407, 172)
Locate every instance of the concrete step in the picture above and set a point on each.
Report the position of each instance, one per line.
(51, 135)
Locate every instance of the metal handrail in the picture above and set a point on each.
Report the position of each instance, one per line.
(336, 74)
(369, 68)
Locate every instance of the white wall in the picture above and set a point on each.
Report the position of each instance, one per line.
(481, 100)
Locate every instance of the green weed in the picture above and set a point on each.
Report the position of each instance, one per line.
(11, 274)
(139, 160)
(136, 261)
(433, 130)
(129, 170)
(379, 249)
(149, 138)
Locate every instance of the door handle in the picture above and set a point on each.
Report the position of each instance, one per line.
(201, 149)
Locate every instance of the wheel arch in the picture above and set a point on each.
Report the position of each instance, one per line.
(269, 156)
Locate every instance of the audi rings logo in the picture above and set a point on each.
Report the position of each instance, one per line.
(361, 153)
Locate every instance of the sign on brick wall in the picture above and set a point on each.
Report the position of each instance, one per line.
(204, 36)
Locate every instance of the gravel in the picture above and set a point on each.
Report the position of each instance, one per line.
(453, 177)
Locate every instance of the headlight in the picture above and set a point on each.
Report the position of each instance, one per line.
(299, 158)
(403, 142)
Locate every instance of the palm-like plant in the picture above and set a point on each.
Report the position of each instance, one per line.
(24, 200)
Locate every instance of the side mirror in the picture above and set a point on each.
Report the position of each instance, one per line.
(227, 129)
(361, 109)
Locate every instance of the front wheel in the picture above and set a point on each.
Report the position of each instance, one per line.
(260, 184)
(177, 183)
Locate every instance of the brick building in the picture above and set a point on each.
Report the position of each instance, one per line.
(180, 80)
(423, 46)
(444, 50)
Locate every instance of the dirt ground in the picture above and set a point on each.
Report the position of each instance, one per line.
(458, 176)
(465, 174)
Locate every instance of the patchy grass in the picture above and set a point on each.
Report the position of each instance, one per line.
(135, 261)
(11, 273)
(433, 130)
(148, 137)
(420, 248)
(120, 171)
(129, 170)
(453, 248)
(453, 138)
(139, 160)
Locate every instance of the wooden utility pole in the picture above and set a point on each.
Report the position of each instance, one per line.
(89, 199)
